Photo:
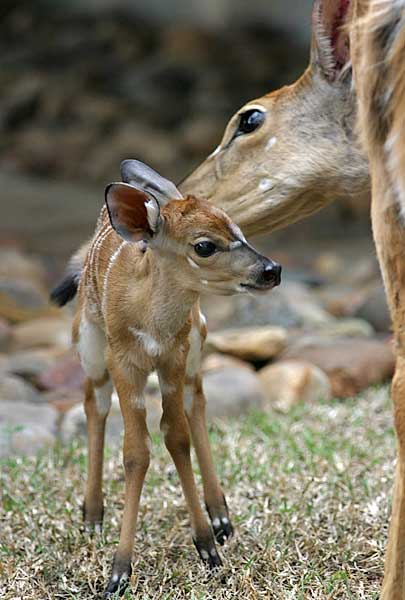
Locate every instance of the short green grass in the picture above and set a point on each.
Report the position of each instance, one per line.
(309, 494)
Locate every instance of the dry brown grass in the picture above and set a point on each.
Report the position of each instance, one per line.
(309, 493)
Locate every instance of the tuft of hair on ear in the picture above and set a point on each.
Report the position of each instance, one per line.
(330, 37)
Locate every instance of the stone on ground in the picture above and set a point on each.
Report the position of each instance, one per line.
(289, 382)
(248, 343)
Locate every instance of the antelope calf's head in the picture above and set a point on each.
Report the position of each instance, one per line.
(197, 244)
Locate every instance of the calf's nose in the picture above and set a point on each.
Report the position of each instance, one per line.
(271, 273)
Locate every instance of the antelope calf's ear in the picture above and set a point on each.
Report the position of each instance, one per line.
(134, 214)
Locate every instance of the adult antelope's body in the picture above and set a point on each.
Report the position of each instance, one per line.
(292, 151)
(152, 254)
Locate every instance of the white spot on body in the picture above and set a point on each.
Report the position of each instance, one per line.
(138, 402)
(204, 555)
(166, 387)
(272, 141)
(194, 353)
(91, 348)
(103, 398)
(151, 346)
(192, 263)
(265, 185)
(203, 319)
(225, 520)
(204, 281)
(188, 398)
(216, 522)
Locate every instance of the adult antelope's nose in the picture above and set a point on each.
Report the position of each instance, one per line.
(271, 274)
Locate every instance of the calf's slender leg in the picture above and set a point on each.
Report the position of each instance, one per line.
(177, 439)
(136, 463)
(215, 502)
(97, 405)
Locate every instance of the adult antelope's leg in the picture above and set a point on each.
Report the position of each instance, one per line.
(97, 405)
(136, 462)
(213, 495)
(177, 439)
(389, 234)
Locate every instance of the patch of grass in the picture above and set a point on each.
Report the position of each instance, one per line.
(309, 493)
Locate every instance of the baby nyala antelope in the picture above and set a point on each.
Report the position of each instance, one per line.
(138, 283)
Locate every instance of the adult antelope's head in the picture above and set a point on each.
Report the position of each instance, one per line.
(287, 154)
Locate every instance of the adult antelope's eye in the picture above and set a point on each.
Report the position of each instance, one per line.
(205, 249)
(250, 120)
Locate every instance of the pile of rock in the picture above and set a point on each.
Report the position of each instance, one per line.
(270, 351)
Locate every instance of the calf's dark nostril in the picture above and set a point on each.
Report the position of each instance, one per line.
(272, 272)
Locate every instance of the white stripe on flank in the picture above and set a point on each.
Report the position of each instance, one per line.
(107, 274)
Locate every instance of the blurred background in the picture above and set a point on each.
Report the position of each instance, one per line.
(85, 85)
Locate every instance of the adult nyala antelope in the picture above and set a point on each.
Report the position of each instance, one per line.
(151, 256)
(289, 153)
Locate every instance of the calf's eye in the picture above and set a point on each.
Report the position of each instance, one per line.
(205, 249)
(249, 121)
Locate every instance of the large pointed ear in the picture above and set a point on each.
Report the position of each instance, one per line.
(330, 51)
(134, 214)
(144, 178)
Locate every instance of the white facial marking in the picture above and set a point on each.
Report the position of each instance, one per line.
(103, 398)
(91, 349)
(107, 274)
(253, 107)
(216, 522)
(151, 346)
(192, 263)
(272, 141)
(216, 151)
(188, 397)
(265, 185)
(237, 232)
(234, 245)
(152, 211)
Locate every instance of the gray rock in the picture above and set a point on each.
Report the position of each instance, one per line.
(26, 428)
(14, 389)
(43, 332)
(248, 343)
(374, 309)
(232, 391)
(291, 305)
(289, 382)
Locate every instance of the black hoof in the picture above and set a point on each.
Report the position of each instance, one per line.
(223, 529)
(221, 523)
(208, 553)
(118, 583)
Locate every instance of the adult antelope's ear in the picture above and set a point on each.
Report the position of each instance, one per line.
(134, 214)
(146, 179)
(330, 50)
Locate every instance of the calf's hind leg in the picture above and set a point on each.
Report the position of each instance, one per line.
(91, 344)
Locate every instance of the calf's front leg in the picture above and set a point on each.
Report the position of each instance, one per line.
(136, 463)
(177, 439)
